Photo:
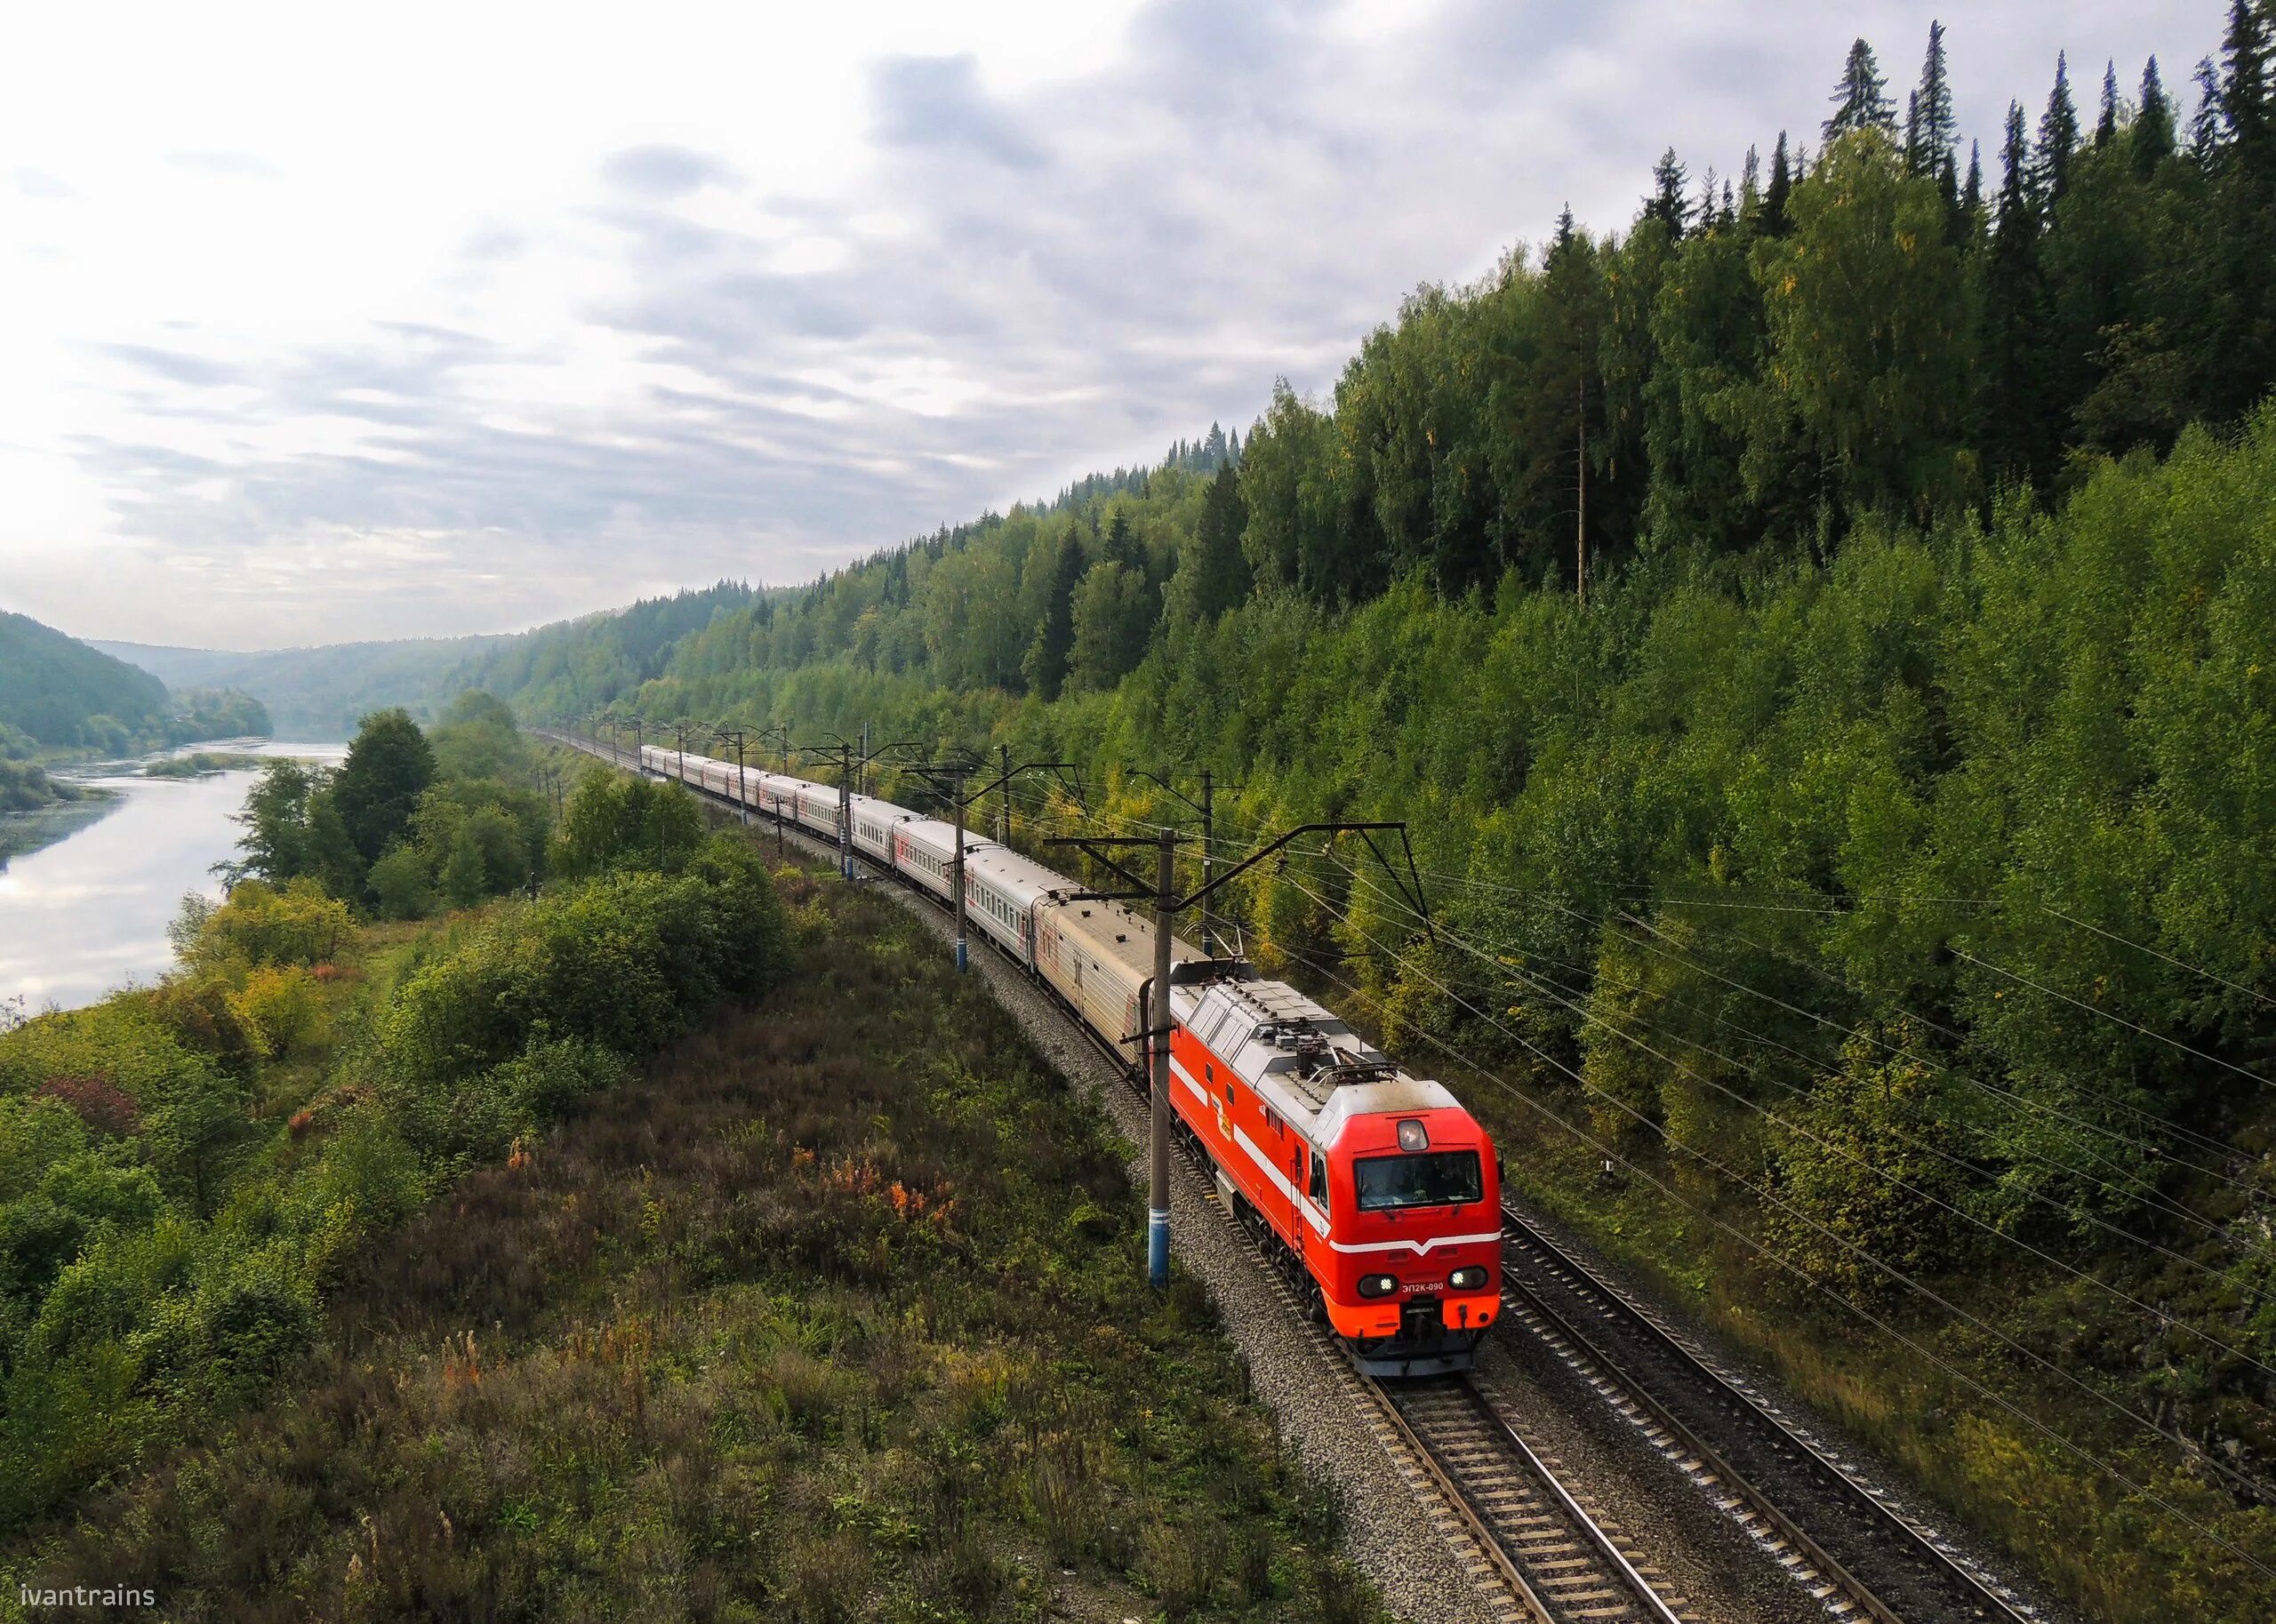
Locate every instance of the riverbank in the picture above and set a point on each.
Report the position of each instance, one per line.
(88, 885)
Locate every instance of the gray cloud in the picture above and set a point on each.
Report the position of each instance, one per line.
(664, 172)
(196, 371)
(1074, 273)
(38, 183)
(935, 103)
(225, 166)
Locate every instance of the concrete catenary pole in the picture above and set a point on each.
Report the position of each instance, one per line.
(1157, 1161)
(845, 812)
(956, 870)
(1003, 806)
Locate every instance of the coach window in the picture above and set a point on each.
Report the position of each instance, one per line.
(1319, 1181)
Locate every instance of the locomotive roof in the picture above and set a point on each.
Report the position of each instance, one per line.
(1302, 1057)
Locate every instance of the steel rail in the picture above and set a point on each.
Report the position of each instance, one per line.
(1977, 1587)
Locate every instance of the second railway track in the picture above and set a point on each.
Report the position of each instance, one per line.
(1820, 1517)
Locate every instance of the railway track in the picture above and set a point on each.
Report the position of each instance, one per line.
(1821, 1518)
(1523, 1531)
(1566, 1561)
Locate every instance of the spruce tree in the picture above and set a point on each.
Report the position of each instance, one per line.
(2151, 136)
(2244, 74)
(1931, 130)
(2205, 127)
(2237, 352)
(2058, 140)
(2106, 126)
(1667, 203)
(2015, 322)
(1858, 101)
(1781, 188)
(1750, 185)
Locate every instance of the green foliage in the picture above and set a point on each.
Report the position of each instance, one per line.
(455, 815)
(798, 1321)
(389, 765)
(174, 1200)
(620, 963)
(260, 925)
(615, 822)
(402, 886)
(61, 692)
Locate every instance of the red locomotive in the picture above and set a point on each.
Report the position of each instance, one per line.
(1375, 1192)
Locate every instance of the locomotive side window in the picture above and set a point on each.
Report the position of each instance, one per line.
(1319, 1181)
(1434, 1179)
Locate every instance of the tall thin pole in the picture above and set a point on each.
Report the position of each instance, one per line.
(743, 784)
(956, 798)
(865, 758)
(1004, 807)
(846, 813)
(1209, 863)
(1581, 519)
(1157, 1162)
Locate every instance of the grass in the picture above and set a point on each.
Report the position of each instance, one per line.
(837, 1312)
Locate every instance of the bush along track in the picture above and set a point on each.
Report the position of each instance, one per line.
(836, 1312)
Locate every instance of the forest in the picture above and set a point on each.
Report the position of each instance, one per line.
(1818, 636)
(60, 697)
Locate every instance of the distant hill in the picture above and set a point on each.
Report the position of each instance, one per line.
(319, 693)
(52, 685)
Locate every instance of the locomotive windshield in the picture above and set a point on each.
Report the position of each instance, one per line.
(1435, 1178)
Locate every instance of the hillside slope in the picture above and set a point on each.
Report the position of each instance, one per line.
(52, 685)
(319, 692)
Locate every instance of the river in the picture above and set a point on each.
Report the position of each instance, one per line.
(87, 915)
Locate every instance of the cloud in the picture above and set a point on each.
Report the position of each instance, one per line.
(936, 105)
(664, 172)
(680, 362)
(38, 183)
(196, 371)
(225, 166)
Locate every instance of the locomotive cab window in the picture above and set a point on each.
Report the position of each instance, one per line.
(1318, 1190)
(1434, 1179)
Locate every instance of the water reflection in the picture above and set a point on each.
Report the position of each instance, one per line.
(88, 915)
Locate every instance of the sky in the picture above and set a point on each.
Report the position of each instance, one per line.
(327, 323)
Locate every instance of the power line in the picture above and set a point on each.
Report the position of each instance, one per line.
(2108, 1015)
(1755, 1068)
(2158, 1315)
(2211, 1145)
(2153, 953)
(1972, 1383)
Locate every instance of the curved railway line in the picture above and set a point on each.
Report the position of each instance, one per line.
(1820, 1517)
(1522, 1531)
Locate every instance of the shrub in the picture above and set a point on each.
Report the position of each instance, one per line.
(281, 1009)
(260, 925)
(401, 885)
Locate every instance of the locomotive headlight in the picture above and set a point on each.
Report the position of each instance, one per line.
(1377, 1285)
(1471, 1279)
(1412, 1135)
